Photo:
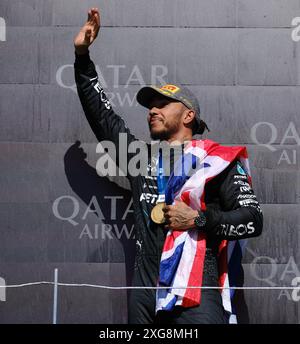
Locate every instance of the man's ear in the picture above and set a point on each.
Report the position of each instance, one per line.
(189, 116)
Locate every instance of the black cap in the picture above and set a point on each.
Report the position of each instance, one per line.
(177, 92)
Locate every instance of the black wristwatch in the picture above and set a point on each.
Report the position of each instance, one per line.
(200, 220)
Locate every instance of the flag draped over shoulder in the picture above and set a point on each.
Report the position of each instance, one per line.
(183, 254)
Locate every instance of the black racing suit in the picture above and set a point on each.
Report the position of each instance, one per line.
(232, 213)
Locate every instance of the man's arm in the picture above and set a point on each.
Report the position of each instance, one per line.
(104, 122)
(240, 216)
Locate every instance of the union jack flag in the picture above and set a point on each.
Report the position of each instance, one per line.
(183, 254)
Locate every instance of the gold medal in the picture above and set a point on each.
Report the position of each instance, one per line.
(157, 214)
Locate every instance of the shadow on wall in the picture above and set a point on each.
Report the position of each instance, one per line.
(86, 183)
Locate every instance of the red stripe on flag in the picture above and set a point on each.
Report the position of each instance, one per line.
(203, 204)
(170, 240)
(228, 153)
(249, 179)
(192, 297)
(185, 197)
(222, 260)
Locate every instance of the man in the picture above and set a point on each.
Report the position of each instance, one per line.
(174, 115)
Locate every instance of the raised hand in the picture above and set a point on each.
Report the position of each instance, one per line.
(88, 33)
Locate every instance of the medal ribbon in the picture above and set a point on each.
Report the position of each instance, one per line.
(168, 188)
(161, 179)
(178, 179)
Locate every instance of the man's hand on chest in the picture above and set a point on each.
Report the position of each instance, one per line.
(179, 216)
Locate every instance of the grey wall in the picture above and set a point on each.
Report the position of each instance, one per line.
(238, 57)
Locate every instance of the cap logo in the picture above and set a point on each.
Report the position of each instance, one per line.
(170, 88)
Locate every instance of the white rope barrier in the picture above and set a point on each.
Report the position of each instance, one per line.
(56, 284)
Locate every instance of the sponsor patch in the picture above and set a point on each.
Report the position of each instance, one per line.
(241, 182)
(248, 201)
(241, 170)
(246, 196)
(245, 189)
(237, 176)
(170, 88)
(241, 229)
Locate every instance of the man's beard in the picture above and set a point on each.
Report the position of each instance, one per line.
(166, 133)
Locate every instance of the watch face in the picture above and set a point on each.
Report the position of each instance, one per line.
(200, 220)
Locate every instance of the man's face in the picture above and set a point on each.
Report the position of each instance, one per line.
(165, 117)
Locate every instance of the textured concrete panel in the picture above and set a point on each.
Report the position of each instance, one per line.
(64, 123)
(88, 227)
(25, 56)
(179, 52)
(27, 13)
(205, 56)
(92, 305)
(205, 13)
(283, 158)
(266, 57)
(267, 13)
(24, 116)
(238, 114)
(82, 240)
(279, 186)
(190, 13)
(275, 105)
(119, 298)
(31, 304)
(275, 306)
(130, 52)
(280, 238)
(117, 13)
(34, 304)
(24, 176)
(38, 114)
(23, 232)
